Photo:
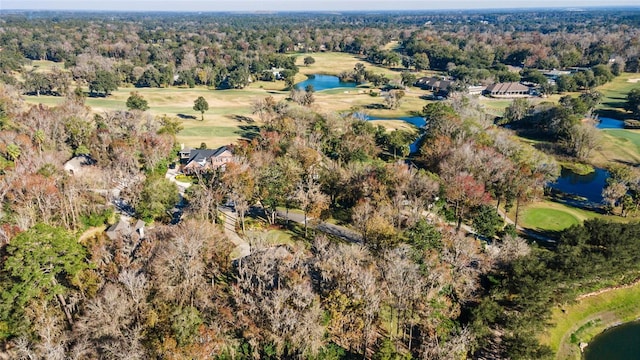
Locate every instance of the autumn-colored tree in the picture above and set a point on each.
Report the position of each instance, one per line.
(464, 192)
(310, 198)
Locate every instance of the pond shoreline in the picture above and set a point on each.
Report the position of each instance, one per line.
(591, 315)
(619, 328)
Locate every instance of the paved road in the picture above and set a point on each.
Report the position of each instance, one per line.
(331, 229)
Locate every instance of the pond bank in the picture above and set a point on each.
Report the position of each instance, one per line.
(591, 315)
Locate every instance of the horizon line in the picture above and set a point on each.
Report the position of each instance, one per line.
(566, 8)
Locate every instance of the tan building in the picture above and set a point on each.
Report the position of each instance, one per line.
(509, 89)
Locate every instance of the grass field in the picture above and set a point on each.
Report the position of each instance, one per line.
(615, 95)
(618, 145)
(391, 125)
(225, 121)
(333, 63)
(280, 237)
(544, 218)
(588, 317)
(43, 66)
(540, 216)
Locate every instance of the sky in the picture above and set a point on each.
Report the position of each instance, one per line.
(299, 5)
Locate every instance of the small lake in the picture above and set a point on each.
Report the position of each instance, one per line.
(609, 123)
(619, 343)
(324, 82)
(418, 121)
(586, 186)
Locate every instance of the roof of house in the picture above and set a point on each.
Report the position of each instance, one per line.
(76, 163)
(434, 82)
(201, 155)
(509, 87)
(221, 150)
(124, 228)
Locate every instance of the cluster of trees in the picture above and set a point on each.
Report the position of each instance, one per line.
(37, 141)
(481, 52)
(400, 291)
(633, 102)
(476, 163)
(622, 192)
(405, 287)
(568, 126)
(423, 274)
(521, 293)
(229, 51)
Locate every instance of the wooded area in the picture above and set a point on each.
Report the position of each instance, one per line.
(433, 272)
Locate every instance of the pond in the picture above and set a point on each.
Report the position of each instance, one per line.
(324, 82)
(588, 187)
(609, 123)
(417, 121)
(618, 343)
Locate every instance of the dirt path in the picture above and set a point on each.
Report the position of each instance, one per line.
(605, 290)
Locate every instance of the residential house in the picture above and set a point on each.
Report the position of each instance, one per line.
(222, 156)
(476, 89)
(434, 84)
(80, 164)
(509, 89)
(199, 160)
(125, 228)
(185, 154)
(208, 159)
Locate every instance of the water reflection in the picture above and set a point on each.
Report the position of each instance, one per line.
(324, 82)
(587, 186)
(619, 343)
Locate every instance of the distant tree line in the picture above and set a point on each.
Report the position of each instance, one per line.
(229, 51)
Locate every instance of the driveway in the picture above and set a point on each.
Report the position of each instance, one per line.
(230, 219)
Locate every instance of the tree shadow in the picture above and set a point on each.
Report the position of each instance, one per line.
(628, 163)
(248, 131)
(544, 238)
(375, 107)
(612, 113)
(243, 118)
(615, 104)
(186, 117)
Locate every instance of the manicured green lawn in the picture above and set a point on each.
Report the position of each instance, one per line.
(280, 237)
(615, 95)
(588, 317)
(630, 136)
(547, 219)
(618, 145)
(213, 131)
